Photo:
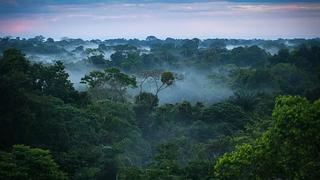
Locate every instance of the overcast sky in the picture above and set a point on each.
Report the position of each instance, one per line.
(163, 18)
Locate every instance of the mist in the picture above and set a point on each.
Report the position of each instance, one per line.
(196, 86)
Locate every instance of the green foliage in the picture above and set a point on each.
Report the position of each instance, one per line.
(98, 60)
(114, 136)
(147, 100)
(53, 80)
(246, 100)
(167, 78)
(110, 84)
(290, 79)
(243, 163)
(126, 57)
(190, 47)
(229, 117)
(282, 57)
(253, 80)
(29, 163)
(248, 56)
(144, 105)
(199, 169)
(93, 52)
(126, 47)
(115, 76)
(289, 150)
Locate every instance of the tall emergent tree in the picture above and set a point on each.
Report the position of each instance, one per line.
(111, 82)
(161, 80)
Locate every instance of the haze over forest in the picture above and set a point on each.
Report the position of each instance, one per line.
(159, 89)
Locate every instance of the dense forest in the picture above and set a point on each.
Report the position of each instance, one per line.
(159, 109)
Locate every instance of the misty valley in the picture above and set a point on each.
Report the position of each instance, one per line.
(166, 109)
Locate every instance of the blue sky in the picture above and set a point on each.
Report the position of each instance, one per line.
(163, 18)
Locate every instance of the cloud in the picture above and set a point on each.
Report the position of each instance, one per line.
(23, 7)
(197, 19)
(17, 26)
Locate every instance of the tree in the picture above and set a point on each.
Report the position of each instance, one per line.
(165, 164)
(248, 56)
(28, 107)
(185, 112)
(145, 103)
(198, 169)
(38, 38)
(227, 117)
(29, 163)
(111, 81)
(246, 100)
(282, 57)
(103, 47)
(218, 44)
(190, 47)
(126, 57)
(167, 79)
(161, 80)
(165, 52)
(288, 150)
(147, 100)
(125, 48)
(96, 56)
(78, 49)
(253, 80)
(53, 80)
(50, 40)
(152, 38)
(15, 82)
(122, 145)
(291, 79)
(98, 60)
(93, 52)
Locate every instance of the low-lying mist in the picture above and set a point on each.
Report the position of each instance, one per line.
(194, 87)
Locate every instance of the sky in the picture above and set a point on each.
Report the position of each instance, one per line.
(104, 19)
